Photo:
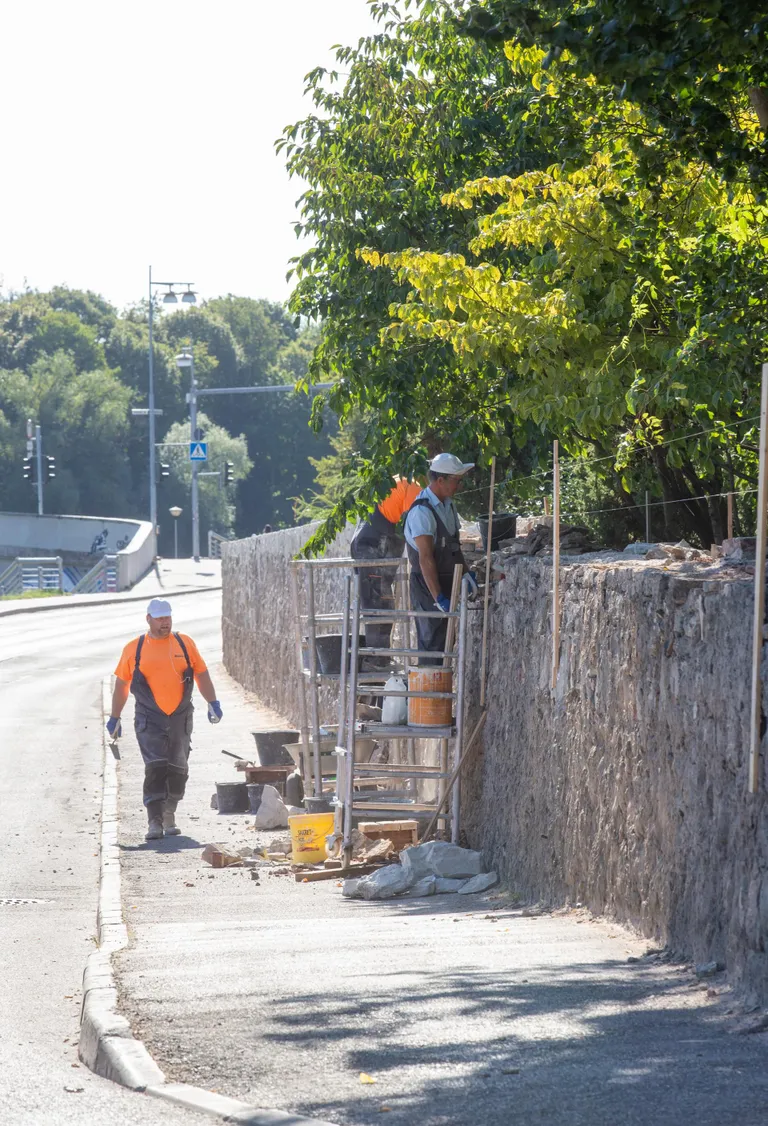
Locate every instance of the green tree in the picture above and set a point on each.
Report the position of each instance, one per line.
(84, 425)
(217, 507)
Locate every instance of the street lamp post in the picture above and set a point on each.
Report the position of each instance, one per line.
(175, 512)
(170, 298)
(187, 360)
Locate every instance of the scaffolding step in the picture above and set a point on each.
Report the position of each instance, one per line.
(365, 652)
(399, 770)
(409, 695)
(406, 731)
(399, 807)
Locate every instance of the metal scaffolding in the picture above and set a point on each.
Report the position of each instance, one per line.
(376, 788)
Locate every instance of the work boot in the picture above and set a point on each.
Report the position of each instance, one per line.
(169, 820)
(155, 821)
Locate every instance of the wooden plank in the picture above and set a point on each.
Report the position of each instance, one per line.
(487, 591)
(314, 876)
(556, 566)
(759, 607)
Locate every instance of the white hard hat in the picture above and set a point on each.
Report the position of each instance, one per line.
(159, 608)
(450, 465)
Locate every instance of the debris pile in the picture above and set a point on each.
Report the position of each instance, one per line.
(678, 552)
(574, 540)
(435, 868)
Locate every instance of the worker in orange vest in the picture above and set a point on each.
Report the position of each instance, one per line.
(380, 537)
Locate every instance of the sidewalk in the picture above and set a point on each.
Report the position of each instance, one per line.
(465, 1012)
(168, 577)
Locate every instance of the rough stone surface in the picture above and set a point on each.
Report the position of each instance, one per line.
(625, 788)
(257, 619)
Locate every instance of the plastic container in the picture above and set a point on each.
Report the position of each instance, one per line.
(308, 835)
(504, 527)
(270, 747)
(394, 709)
(232, 797)
(430, 713)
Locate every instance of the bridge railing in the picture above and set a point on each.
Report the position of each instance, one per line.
(44, 572)
(214, 545)
(103, 576)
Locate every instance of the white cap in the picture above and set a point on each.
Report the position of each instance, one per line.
(159, 608)
(450, 465)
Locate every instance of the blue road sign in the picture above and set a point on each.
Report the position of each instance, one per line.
(198, 451)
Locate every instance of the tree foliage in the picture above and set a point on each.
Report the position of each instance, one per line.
(70, 362)
(593, 277)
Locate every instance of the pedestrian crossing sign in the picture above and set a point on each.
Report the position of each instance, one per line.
(198, 451)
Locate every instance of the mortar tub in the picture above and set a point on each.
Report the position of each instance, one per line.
(270, 747)
(328, 649)
(232, 797)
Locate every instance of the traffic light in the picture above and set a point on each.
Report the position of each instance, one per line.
(163, 471)
(229, 472)
(28, 472)
(50, 468)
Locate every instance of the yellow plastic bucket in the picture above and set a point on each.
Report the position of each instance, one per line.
(308, 833)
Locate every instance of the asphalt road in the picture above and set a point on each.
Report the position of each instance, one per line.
(463, 1013)
(51, 665)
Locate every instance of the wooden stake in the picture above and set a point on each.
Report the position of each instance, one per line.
(730, 515)
(455, 774)
(546, 506)
(556, 565)
(450, 637)
(487, 592)
(647, 518)
(759, 614)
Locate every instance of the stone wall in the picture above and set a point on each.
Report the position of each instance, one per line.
(626, 788)
(258, 629)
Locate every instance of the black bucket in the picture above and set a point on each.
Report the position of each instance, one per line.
(504, 525)
(317, 805)
(255, 790)
(232, 797)
(328, 649)
(270, 749)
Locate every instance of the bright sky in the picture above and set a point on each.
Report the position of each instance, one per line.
(141, 133)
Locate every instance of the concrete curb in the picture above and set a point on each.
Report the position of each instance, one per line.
(107, 1045)
(101, 600)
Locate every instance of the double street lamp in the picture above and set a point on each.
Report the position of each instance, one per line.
(170, 297)
(186, 360)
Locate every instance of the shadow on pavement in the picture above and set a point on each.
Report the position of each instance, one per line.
(601, 1044)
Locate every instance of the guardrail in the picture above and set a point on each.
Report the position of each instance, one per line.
(103, 576)
(44, 572)
(214, 545)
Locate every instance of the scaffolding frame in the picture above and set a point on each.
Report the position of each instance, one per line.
(355, 685)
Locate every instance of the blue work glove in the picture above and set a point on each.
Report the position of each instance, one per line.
(114, 727)
(214, 711)
(473, 587)
(443, 603)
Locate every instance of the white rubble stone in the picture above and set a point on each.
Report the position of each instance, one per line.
(445, 886)
(273, 812)
(427, 885)
(440, 858)
(386, 882)
(479, 883)
(351, 889)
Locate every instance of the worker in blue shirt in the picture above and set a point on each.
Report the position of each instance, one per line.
(432, 542)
